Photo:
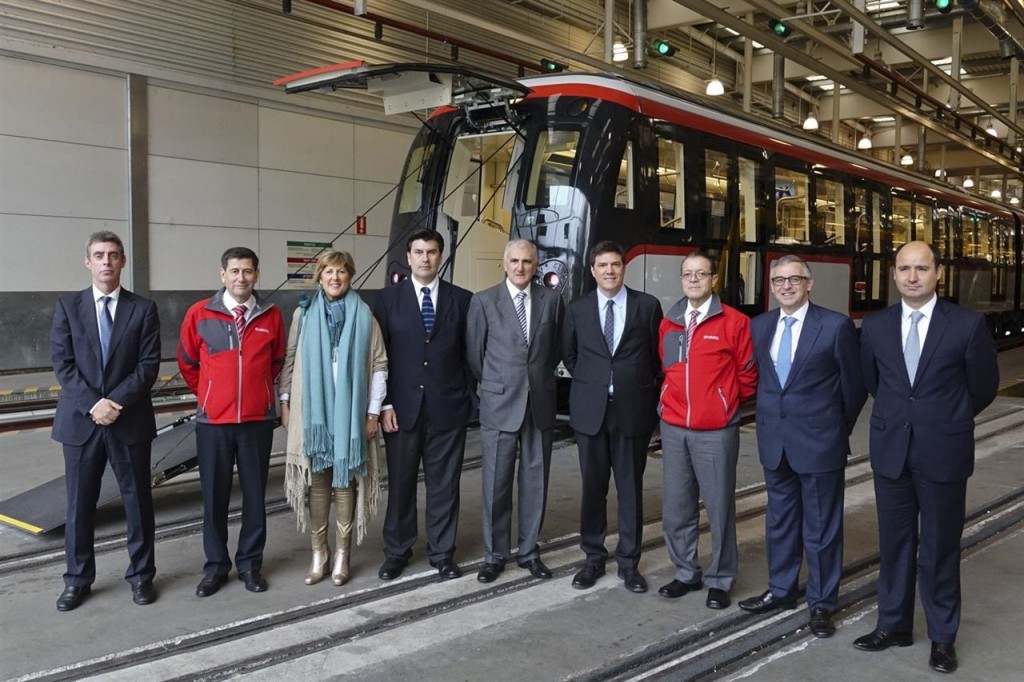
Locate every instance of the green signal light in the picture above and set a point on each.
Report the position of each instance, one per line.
(944, 6)
(551, 66)
(780, 29)
(662, 48)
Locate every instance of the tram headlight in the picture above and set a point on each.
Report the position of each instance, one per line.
(552, 280)
(396, 277)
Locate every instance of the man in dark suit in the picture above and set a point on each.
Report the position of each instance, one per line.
(428, 403)
(105, 348)
(513, 343)
(809, 394)
(610, 345)
(931, 367)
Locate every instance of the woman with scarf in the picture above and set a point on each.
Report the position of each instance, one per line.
(332, 386)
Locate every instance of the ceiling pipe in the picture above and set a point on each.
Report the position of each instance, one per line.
(640, 34)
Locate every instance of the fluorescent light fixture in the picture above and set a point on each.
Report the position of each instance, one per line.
(881, 5)
(968, 182)
(810, 123)
(883, 119)
(906, 160)
(731, 31)
(757, 45)
(864, 142)
(943, 61)
(619, 51)
(816, 78)
(715, 88)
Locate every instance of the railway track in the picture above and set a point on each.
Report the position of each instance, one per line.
(703, 653)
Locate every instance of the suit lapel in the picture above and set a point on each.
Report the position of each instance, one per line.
(411, 299)
(808, 336)
(442, 306)
(87, 314)
(539, 296)
(936, 328)
(125, 310)
(765, 334)
(632, 303)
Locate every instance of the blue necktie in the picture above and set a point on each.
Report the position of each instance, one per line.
(784, 360)
(912, 351)
(106, 327)
(427, 311)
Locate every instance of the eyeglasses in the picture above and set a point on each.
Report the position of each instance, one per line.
(793, 280)
(696, 276)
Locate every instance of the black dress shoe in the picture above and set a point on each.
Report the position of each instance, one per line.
(879, 640)
(210, 584)
(72, 597)
(821, 622)
(677, 588)
(587, 576)
(717, 599)
(392, 568)
(490, 572)
(632, 579)
(943, 657)
(143, 592)
(254, 582)
(536, 568)
(447, 569)
(767, 602)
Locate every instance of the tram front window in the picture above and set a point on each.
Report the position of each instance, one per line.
(412, 176)
(554, 159)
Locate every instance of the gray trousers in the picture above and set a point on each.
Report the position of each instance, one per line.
(700, 464)
(498, 472)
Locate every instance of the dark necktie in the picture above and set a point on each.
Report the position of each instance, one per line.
(521, 314)
(239, 311)
(609, 326)
(912, 351)
(106, 327)
(427, 311)
(784, 360)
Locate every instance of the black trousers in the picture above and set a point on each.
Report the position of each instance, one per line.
(220, 447)
(442, 453)
(610, 452)
(84, 465)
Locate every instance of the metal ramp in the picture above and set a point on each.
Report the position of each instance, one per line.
(44, 508)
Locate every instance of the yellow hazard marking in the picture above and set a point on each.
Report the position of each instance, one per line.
(31, 389)
(54, 389)
(6, 391)
(20, 524)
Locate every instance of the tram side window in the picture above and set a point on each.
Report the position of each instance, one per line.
(1000, 259)
(625, 184)
(900, 221)
(751, 200)
(829, 214)
(671, 196)
(923, 221)
(551, 170)
(976, 235)
(716, 194)
(866, 212)
(941, 218)
(792, 214)
(412, 177)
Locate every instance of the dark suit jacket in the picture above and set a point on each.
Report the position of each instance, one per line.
(811, 417)
(426, 372)
(635, 366)
(933, 422)
(132, 367)
(509, 372)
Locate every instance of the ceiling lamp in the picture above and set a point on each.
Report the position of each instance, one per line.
(619, 51)
(810, 123)
(991, 130)
(996, 194)
(864, 142)
(939, 173)
(715, 88)
(1014, 200)
(906, 160)
(968, 182)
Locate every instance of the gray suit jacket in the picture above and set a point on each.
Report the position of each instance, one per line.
(509, 372)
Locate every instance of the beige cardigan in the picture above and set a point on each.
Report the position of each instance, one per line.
(297, 471)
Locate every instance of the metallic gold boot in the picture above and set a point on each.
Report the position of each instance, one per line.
(344, 513)
(319, 515)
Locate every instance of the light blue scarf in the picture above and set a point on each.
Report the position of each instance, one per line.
(334, 407)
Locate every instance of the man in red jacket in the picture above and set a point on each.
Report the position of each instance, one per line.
(708, 359)
(231, 351)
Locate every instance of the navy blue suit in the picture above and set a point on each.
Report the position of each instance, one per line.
(132, 367)
(803, 431)
(429, 387)
(922, 452)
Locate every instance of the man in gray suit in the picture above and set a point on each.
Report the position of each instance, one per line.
(512, 339)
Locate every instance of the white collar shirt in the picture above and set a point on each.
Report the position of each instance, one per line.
(230, 303)
(928, 309)
(800, 315)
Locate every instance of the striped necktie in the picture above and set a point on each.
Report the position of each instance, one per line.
(609, 326)
(427, 311)
(521, 314)
(690, 328)
(239, 311)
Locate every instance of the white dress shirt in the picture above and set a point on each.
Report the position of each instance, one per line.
(795, 330)
(928, 309)
(230, 303)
